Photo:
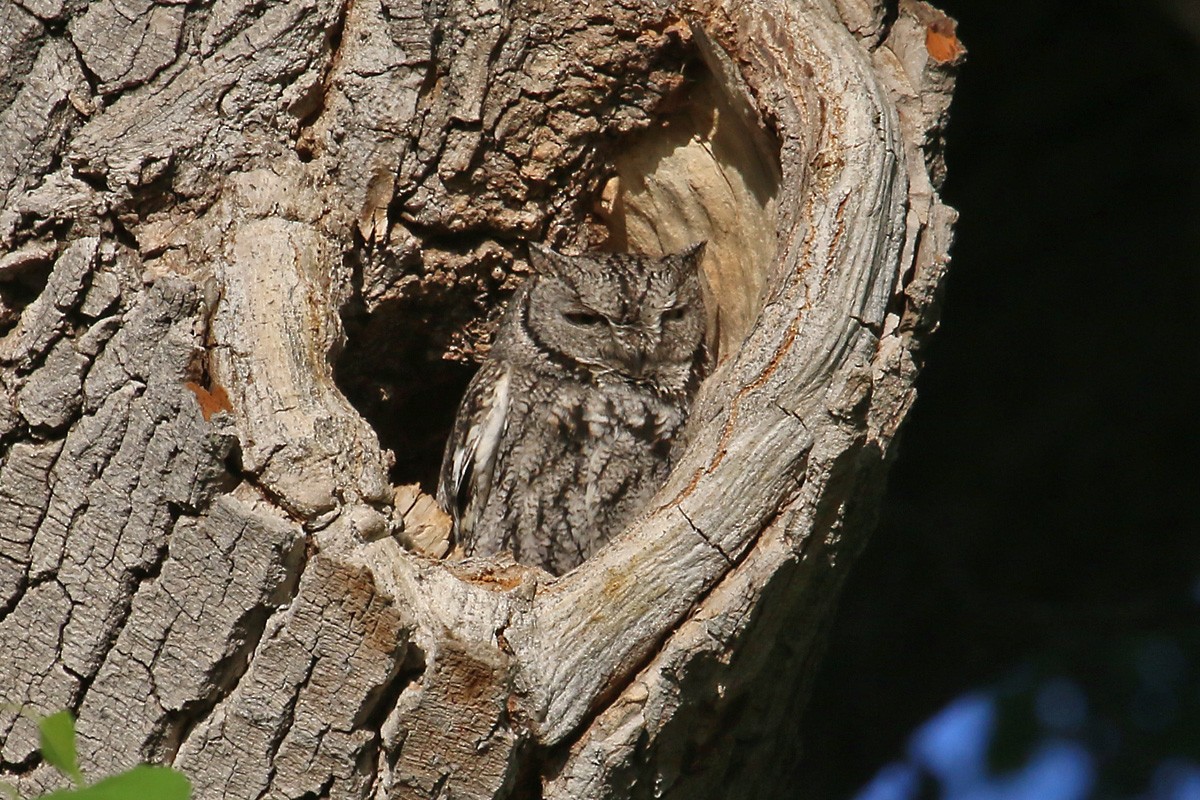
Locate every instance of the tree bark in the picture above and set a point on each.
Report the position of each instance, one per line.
(245, 243)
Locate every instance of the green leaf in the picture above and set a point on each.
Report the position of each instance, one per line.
(57, 734)
(143, 782)
(10, 791)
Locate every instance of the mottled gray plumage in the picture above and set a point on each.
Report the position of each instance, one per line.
(572, 423)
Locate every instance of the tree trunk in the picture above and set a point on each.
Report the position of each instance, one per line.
(247, 250)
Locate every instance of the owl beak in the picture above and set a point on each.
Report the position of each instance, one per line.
(633, 353)
(634, 362)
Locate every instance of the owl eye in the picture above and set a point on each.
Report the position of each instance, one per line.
(585, 318)
(673, 314)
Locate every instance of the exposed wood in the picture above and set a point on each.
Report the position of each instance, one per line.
(213, 546)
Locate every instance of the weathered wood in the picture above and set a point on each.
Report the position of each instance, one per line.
(202, 551)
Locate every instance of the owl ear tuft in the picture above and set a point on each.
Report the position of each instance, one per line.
(691, 255)
(545, 261)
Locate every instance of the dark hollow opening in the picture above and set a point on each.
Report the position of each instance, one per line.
(393, 370)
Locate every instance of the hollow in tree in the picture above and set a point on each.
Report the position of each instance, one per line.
(251, 254)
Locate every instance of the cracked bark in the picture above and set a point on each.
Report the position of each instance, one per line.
(248, 255)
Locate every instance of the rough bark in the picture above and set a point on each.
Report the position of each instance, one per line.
(245, 243)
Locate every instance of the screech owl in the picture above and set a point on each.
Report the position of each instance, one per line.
(573, 421)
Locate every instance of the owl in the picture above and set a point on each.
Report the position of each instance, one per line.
(573, 421)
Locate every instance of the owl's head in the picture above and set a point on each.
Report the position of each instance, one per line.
(620, 315)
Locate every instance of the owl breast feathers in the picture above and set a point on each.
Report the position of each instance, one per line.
(572, 423)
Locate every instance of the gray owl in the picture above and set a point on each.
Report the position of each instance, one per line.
(572, 423)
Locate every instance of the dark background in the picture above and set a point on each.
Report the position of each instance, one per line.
(1046, 487)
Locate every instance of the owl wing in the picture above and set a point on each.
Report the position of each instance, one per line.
(470, 459)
